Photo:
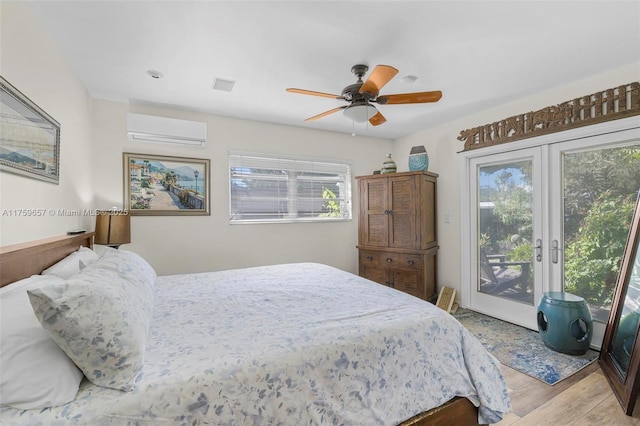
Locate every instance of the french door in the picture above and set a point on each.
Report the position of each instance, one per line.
(548, 215)
(507, 208)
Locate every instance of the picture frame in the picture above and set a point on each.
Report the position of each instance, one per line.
(29, 137)
(160, 185)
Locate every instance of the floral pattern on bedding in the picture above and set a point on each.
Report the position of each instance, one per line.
(297, 344)
(100, 317)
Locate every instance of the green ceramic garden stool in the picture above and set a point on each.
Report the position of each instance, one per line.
(564, 322)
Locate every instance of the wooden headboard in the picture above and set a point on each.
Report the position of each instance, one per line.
(22, 260)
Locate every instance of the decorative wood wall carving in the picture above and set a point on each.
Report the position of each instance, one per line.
(611, 104)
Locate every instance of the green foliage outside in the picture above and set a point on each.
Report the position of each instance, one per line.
(593, 257)
(600, 189)
(332, 205)
(600, 193)
(508, 225)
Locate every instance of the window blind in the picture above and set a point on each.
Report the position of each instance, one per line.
(268, 188)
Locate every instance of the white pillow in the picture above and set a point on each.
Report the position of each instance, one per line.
(128, 265)
(86, 256)
(72, 264)
(101, 316)
(36, 373)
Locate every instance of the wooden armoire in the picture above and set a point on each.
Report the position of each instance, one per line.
(397, 242)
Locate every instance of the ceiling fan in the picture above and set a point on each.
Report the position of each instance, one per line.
(360, 95)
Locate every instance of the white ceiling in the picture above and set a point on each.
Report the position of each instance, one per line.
(479, 53)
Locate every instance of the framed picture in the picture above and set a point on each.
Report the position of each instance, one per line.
(157, 185)
(29, 137)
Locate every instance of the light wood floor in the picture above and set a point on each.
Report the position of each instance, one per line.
(582, 399)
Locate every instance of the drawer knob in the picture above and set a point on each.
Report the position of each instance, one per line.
(388, 260)
(369, 257)
(410, 261)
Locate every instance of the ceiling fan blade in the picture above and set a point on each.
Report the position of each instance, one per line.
(380, 76)
(377, 119)
(410, 98)
(324, 114)
(311, 92)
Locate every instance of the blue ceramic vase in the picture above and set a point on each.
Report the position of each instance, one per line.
(418, 159)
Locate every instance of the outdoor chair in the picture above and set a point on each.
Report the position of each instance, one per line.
(496, 275)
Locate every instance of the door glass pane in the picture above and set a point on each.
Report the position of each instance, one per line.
(599, 190)
(505, 215)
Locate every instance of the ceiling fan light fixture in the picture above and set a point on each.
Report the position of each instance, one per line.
(360, 95)
(360, 113)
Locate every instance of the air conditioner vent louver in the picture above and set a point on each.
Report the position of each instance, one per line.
(149, 128)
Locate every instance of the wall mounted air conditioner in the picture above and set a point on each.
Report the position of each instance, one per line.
(150, 128)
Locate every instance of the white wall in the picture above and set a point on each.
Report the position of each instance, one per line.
(93, 137)
(31, 63)
(202, 243)
(442, 145)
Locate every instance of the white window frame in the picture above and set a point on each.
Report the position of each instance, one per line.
(291, 166)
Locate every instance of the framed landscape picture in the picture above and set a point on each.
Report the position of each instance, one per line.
(157, 185)
(29, 137)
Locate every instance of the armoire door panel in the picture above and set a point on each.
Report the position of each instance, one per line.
(408, 281)
(377, 230)
(402, 233)
(376, 196)
(402, 212)
(402, 195)
(379, 275)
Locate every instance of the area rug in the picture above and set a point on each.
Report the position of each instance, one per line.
(523, 349)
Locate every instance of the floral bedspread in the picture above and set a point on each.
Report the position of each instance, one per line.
(295, 344)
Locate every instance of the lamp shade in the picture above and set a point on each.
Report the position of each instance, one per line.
(113, 228)
(360, 113)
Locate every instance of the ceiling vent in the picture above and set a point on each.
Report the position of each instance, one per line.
(150, 128)
(222, 84)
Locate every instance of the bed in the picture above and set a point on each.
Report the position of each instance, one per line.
(283, 344)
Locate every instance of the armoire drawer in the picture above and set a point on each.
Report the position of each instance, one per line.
(411, 261)
(369, 258)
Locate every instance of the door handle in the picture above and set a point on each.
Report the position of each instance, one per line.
(538, 249)
(554, 251)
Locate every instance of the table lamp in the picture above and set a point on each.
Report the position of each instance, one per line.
(113, 228)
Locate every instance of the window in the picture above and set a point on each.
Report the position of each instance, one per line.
(265, 188)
